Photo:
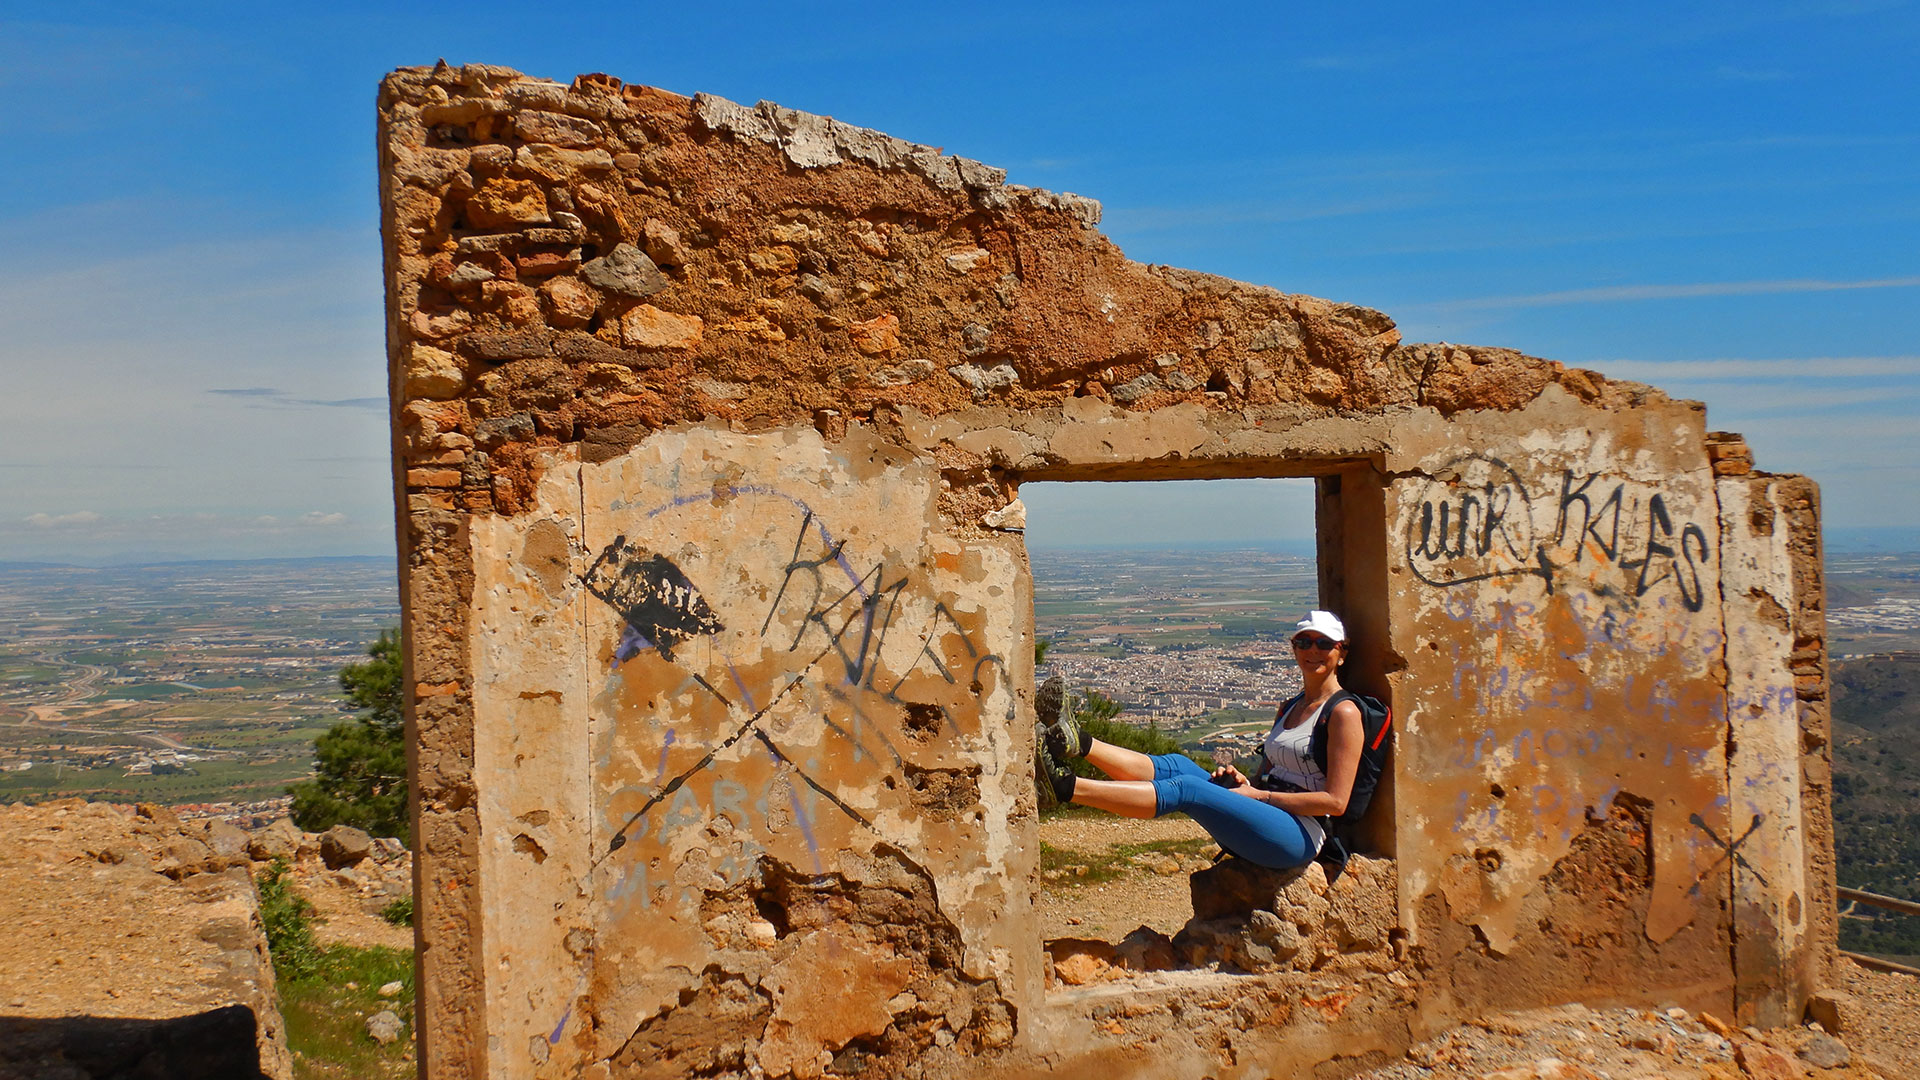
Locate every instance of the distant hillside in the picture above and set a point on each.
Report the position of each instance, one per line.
(1876, 794)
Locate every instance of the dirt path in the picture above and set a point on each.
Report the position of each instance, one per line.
(1071, 906)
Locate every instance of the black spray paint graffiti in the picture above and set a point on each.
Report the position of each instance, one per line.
(1475, 523)
(663, 606)
(1728, 851)
(1481, 516)
(1653, 537)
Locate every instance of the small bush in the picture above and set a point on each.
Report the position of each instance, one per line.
(400, 912)
(288, 919)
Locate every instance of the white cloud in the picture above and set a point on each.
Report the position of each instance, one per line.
(316, 519)
(61, 521)
(1810, 367)
(1612, 294)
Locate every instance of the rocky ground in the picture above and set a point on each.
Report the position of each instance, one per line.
(1150, 892)
(349, 898)
(1877, 1015)
(127, 936)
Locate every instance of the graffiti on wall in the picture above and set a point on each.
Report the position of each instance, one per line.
(847, 679)
(1475, 522)
(1569, 635)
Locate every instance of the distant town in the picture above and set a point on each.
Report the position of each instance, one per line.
(206, 683)
(180, 683)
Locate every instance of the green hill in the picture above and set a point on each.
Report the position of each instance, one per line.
(1876, 795)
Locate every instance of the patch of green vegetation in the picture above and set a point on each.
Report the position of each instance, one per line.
(146, 691)
(1234, 717)
(1115, 861)
(287, 918)
(400, 912)
(1876, 786)
(326, 1015)
(327, 994)
(211, 781)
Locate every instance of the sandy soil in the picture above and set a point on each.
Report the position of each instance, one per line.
(1110, 910)
(349, 907)
(1889, 1035)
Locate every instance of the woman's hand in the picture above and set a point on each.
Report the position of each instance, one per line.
(1234, 780)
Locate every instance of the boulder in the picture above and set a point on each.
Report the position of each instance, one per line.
(1237, 888)
(280, 840)
(226, 839)
(183, 856)
(1826, 1052)
(386, 849)
(1145, 949)
(1259, 920)
(344, 845)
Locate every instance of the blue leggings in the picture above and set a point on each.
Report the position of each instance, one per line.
(1256, 831)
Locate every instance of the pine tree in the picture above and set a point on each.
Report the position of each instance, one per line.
(361, 775)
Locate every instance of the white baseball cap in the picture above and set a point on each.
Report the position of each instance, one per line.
(1325, 622)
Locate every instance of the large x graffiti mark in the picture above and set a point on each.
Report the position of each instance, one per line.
(638, 584)
(749, 727)
(1727, 851)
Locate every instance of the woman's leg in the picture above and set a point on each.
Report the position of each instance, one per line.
(1131, 792)
(1128, 798)
(1254, 830)
(1120, 762)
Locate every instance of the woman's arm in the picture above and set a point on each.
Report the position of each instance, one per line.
(1345, 732)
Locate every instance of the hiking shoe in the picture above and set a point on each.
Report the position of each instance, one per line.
(1066, 739)
(1047, 700)
(1053, 779)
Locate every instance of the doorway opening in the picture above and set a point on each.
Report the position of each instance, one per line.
(1168, 607)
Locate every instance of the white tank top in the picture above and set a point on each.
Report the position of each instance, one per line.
(1289, 756)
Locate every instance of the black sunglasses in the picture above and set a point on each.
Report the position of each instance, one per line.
(1315, 641)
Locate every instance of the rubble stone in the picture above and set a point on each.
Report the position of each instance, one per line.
(503, 202)
(344, 845)
(384, 1027)
(648, 327)
(1824, 1051)
(625, 270)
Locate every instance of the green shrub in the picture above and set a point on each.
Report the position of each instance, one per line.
(1096, 712)
(288, 919)
(400, 912)
(361, 773)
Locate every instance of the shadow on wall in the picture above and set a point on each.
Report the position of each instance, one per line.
(219, 1044)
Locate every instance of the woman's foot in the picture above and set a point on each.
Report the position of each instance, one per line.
(1048, 699)
(1053, 779)
(1066, 739)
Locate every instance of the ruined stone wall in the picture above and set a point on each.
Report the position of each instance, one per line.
(709, 428)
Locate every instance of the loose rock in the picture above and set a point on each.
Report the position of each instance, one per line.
(344, 845)
(384, 1027)
(1826, 1052)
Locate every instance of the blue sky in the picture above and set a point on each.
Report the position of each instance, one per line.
(1719, 199)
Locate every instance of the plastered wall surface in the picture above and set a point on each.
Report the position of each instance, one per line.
(709, 426)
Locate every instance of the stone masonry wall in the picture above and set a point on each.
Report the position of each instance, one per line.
(709, 426)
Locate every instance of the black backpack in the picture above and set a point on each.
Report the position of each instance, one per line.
(1376, 721)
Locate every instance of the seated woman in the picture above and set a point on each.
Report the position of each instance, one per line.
(1277, 818)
